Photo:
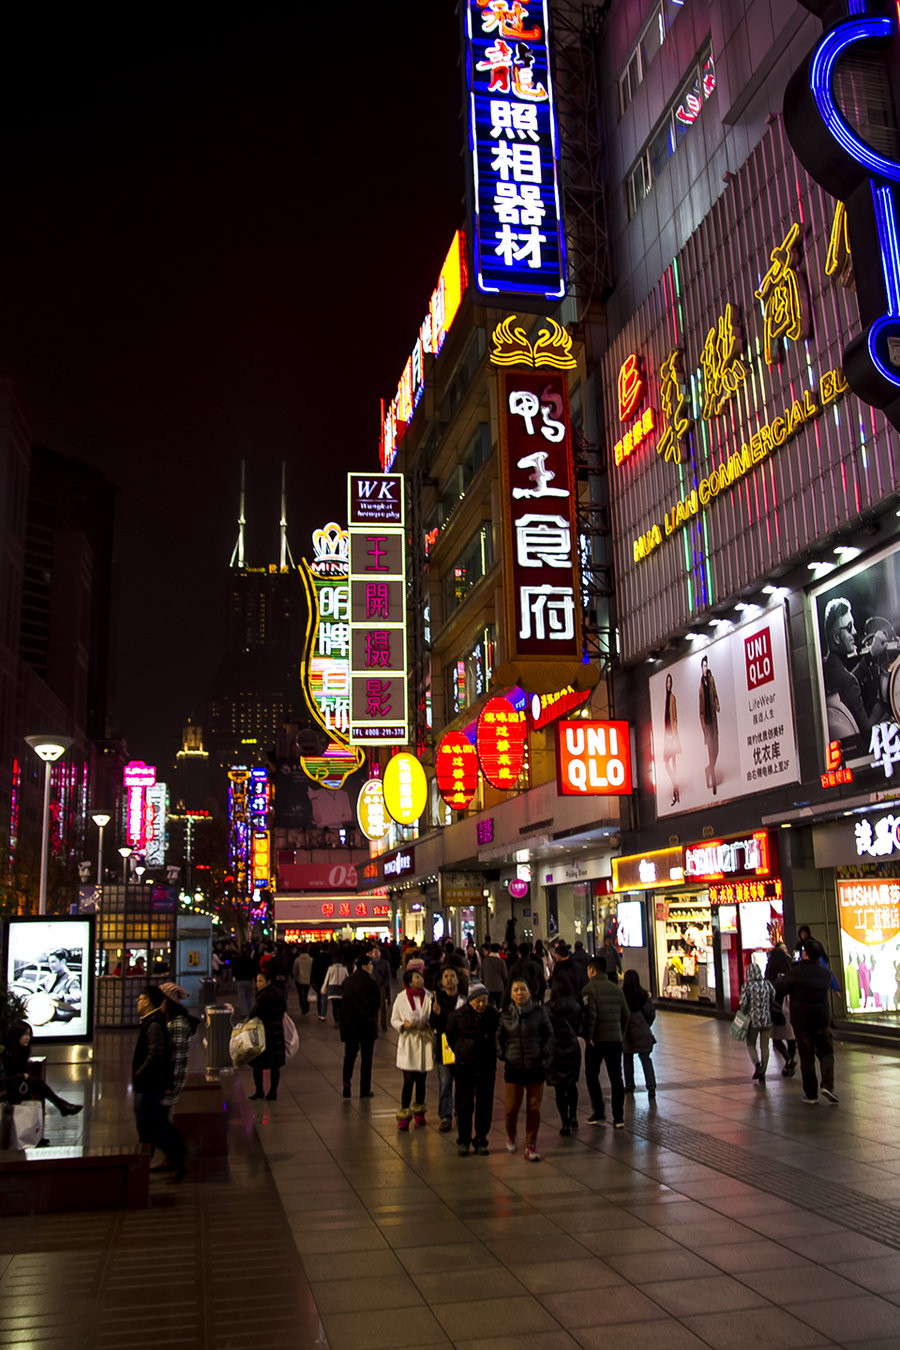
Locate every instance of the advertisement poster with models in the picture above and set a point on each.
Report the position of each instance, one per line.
(723, 719)
(856, 620)
(49, 964)
(870, 945)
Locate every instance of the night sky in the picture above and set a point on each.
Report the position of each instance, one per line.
(218, 241)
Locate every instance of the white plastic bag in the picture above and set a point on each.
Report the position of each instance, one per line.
(247, 1041)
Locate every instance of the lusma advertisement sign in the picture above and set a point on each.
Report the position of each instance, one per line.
(723, 719)
(870, 944)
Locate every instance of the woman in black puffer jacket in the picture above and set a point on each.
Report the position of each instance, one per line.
(269, 1008)
(525, 1044)
(565, 1018)
(637, 1038)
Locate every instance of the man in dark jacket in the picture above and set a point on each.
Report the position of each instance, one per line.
(568, 978)
(605, 1019)
(472, 1036)
(381, 974)
(809, 985)
(526, 968)
(493, 973)
(151, 1069)
(360, 1004)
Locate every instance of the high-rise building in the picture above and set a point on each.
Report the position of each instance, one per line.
(258, 688)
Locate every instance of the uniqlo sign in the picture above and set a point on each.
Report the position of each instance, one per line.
(377, 610)
(593, 759)
(758, 659)
(540, 538)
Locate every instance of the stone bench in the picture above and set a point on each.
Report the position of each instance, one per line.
(53, 1180)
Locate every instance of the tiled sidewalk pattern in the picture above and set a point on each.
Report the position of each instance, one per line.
(723, 1216)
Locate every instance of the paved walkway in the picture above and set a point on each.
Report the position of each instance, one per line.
(722, 1216)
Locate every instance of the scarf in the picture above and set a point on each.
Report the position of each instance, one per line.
(413, 995)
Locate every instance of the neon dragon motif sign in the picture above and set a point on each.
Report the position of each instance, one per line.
(867, 181)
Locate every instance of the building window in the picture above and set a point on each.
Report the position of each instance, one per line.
(470, 566)
(470, 677)
(680, 116)
(648, 44)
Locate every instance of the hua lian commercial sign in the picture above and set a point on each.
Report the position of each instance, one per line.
(518, 244)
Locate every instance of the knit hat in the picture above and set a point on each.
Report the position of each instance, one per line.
(415, 963)
(476, 990)
(174, 992)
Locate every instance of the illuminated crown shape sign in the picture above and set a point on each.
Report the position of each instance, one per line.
(331, 550)
(500, 742)
(552, 346)
(456, 770)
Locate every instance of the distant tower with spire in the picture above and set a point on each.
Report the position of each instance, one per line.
(258, 688)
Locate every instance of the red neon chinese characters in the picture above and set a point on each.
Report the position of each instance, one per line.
(500, 742)
(630, 386)
(456, 770)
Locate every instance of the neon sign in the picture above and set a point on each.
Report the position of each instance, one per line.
(716, 859)
(630, 386)
(518, 241)
(593, 759)
(137, 777)
(378, 691)
(443, 308)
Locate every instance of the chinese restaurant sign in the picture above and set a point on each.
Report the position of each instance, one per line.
(537, 494)
(378, 698)
(518, 243)
(405, 788)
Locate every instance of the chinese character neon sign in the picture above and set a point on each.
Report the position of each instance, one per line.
(378, 693)
(518, 241)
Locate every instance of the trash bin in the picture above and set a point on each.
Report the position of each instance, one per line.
(208, 993)
(216, 1035)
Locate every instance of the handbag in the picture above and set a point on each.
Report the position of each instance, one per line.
(291, 1037)
(447, 1055)
(740, 1025)
(247, 1041)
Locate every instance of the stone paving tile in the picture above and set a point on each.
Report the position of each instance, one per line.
(771, 1328)
(481, 1284)
(605, 1307)
(549, 1340)
(709, 1294)
(845, 1319)
(382, 1263)
(361, 1331)
(364, 1292)
(467, 1320)
(880, 1274)
(667, 1334)
(641, 1268)
(735, 1257)
(640, 1239)
(543, 1277)
(823, 1247)
(799, 1284)
(458, 1256)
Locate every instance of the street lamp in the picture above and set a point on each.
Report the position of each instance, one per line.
(101, 820)
(49, 749)
(125, 853)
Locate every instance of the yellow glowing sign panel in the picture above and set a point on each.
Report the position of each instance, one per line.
(370, 810)
(405, 788)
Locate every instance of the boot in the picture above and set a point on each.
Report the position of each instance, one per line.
(419, 1113)
(403, 1116)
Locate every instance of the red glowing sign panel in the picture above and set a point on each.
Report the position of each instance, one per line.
(630, 386)
(593, 759)
(500, 741)
(456, 770)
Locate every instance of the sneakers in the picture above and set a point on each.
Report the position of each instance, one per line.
(482, 1149)
(830, 1095)
(511, 1144)
(565, 1130)
(532, 1155)
(809, 1101)
(463, 1150)
(573, 1123)
(594, 1119)
(618, 1124)
(445, 1125)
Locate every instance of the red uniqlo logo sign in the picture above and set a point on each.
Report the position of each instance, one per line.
(758, 656)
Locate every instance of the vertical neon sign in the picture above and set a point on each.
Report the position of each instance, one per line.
(518, 241)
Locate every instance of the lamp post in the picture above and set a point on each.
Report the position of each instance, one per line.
(125, 853)
(49, 749)
(101, 820)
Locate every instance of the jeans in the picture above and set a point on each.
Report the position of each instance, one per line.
(362, 1046)
(445, 1091)
(533, 1093)
(303, 995)
(322, 1005)
(764, 1035)
(610, 1054)
(567, 1100)
(811, 1046)
(646, 1059)
(474, 1096)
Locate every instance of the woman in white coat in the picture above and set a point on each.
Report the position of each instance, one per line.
(415, 1042)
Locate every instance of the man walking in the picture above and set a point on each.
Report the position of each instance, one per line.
(301, 972)
(808, 983)
(605, 1019)
(493, 974)
(360, 1002)
(381, 974)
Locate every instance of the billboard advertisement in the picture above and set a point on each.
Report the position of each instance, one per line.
(856, 622)
(50, 965)
(723, 719)
(870, 944)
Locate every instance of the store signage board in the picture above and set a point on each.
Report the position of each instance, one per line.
(461, 889)
(518, 241)
(856, 620)
(648, 871)
(593, 759)
(405, 788)
(378, 690)
(741, 857)
(325, 908)
(747, 727)
(371, 813)
(869, 912)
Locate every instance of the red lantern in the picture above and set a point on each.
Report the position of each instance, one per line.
(456, 769)
(500, 740)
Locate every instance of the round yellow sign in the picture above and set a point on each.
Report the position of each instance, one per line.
(370, 810)
(405, 788)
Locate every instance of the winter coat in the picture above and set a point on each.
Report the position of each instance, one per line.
(565, 1018)
(151, 1065)
(567, 980)
(268, 1006)
(637, 1038)
(473, 1037)
(809, 986)
(180, 1028)
(360, 1005)
(302, 968)
(415, 1048)
(442, 1005)
(525, 1043)
(779, 963)
(529, 970)
(605, 1011)
(757, 997)
(334, 980)
(493, 973)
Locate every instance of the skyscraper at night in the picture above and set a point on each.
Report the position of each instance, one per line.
(257, 687)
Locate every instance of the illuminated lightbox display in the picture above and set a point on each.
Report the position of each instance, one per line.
(456, 770)
(50, 966)
(370, 810)
(593, 759)
(500, 742)
(326, 664)
(156, 809)
(249, 847)
(137, 778)
(405, 788)
(378, 689)
(518, 240)
(446, 299)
